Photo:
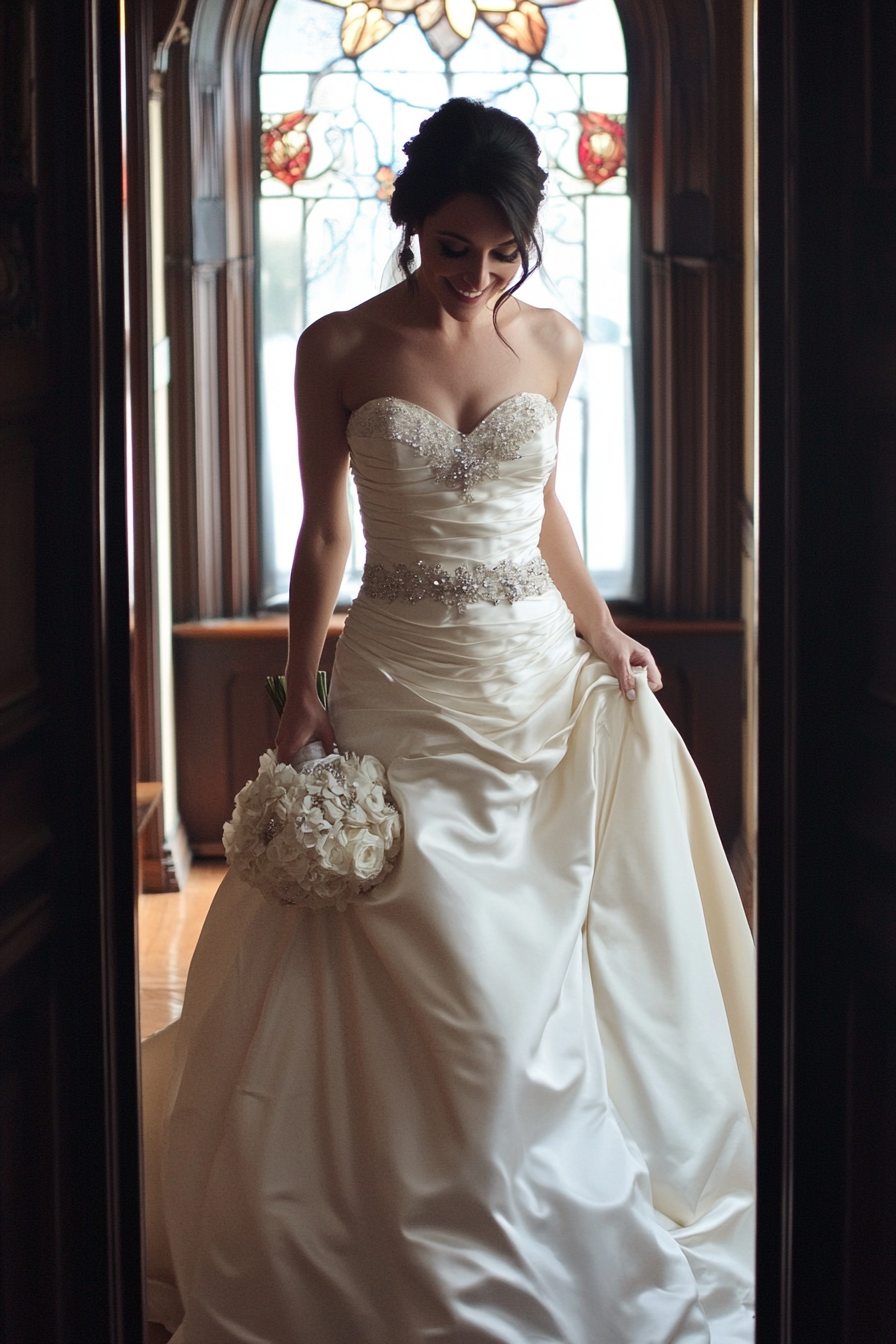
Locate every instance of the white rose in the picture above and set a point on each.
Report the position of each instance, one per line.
(378, 807)
(391, 833)
(334, 854)
(368, 856)
(356, 816)
(370, 768)
(333, 810)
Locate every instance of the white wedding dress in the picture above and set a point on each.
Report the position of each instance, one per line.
(504, 1099)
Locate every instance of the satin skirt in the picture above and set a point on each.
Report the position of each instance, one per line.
(506, 1099)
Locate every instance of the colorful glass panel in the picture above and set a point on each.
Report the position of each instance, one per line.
(340, 92)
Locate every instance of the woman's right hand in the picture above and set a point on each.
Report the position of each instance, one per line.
(304, 720)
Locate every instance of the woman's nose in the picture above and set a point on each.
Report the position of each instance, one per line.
(477, 272)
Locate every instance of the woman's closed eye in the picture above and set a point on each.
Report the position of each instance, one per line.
(456, 253)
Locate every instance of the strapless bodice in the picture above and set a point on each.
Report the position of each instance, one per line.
(430, 493)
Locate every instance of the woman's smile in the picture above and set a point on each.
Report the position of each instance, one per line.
(466, 293)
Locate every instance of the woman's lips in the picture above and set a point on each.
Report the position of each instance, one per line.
(466, 296)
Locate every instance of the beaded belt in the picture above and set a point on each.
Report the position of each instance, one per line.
(506, 582)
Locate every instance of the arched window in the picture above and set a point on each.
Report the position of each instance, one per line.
(342, 87)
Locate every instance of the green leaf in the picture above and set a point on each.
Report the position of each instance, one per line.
(276, 689)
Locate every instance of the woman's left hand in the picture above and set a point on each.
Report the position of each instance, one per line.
(623, 654)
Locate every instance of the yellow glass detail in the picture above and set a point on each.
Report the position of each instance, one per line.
(461, 15)
(362, 28)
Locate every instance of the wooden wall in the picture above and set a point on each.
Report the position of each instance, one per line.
(69, 1171)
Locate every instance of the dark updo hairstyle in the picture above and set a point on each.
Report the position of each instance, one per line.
(468, 147)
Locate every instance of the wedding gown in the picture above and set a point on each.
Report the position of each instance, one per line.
(504, 1099)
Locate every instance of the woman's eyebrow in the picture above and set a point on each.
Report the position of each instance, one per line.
(446, 233)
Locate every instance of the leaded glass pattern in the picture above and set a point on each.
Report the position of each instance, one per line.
(333, 125)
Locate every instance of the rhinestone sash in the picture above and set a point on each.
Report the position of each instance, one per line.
(505, 582)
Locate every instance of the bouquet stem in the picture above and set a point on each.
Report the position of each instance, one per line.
(276, 689)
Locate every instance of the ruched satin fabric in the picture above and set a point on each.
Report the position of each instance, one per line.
(506, 1099)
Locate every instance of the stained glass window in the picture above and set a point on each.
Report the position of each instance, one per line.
(343, 85)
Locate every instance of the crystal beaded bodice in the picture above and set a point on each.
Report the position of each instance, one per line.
(432, 495)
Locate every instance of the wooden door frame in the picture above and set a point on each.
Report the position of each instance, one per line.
(826, 872)
(784, 640)
(85, 654)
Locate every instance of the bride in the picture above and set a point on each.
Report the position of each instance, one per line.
(505, 1098)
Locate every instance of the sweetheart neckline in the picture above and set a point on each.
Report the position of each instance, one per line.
(426, 411)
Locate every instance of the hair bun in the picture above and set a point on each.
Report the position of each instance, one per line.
(466, 147)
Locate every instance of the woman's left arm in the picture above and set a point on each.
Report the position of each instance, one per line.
(564, 559)
(590, 612)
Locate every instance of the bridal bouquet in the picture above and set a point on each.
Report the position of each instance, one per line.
(318, 833)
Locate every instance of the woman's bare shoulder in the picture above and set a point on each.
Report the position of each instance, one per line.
(342, 336)
(553, 332)
(552, 342)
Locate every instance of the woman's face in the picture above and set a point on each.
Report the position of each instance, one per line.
(467, 255)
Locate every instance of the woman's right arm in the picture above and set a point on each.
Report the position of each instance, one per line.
(325, 534)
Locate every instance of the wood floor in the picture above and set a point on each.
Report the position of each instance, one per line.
(169, 925)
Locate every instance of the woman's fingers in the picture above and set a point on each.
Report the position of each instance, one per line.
(625, 675)
(640, 657)
(300, 726)
(624, 655)
(654, 677)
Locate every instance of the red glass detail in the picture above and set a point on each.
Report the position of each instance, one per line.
(601, 147)
(286, 148)
(386, 179)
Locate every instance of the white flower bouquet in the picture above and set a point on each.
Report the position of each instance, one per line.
(318, 833)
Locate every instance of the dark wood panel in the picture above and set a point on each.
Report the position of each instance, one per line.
(29, 1306)
(30, 1270)
(211, 165)
(17, 560)
(185, 557)
(225, 719)
(686, 137)
(867, 522)
(69, 1174)
(870, 1287)
(827, 659)
(24, 822)
(157, 865)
